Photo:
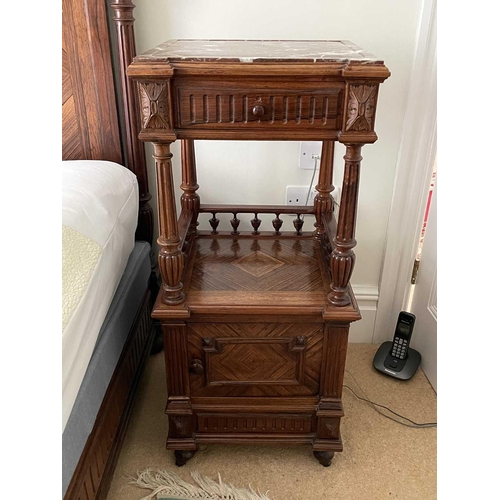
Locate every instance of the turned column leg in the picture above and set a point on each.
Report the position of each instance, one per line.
(342, 257)
(190, 200)
(323, 202)
(170, 257)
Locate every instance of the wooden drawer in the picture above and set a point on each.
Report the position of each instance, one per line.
(254, 359)
(281, 104)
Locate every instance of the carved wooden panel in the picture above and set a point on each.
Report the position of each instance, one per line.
(362, 100)
(255, 359)
(258, 423)
(154, 105)
(220, 106)
(328, 428)
(268, 361)
(180, 426)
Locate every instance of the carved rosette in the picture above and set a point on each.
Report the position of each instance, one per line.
(361, 108)
(154, 105)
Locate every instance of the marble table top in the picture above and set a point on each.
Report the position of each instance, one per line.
(249, 51)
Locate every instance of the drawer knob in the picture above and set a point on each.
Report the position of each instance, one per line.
(196, 367)
(258, 110)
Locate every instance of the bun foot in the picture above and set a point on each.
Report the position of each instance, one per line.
(182, 456)
(324, 457)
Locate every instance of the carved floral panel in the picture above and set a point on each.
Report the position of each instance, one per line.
(361, 107)
(154, 105)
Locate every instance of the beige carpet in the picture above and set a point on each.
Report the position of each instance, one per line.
(381, 459)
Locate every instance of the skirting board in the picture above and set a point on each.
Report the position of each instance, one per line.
(367, 297)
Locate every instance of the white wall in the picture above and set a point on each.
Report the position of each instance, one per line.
(258, 172)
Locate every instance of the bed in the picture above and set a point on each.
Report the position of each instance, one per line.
(109, 276)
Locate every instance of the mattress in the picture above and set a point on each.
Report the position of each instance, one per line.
(100, 203)
(109, 346)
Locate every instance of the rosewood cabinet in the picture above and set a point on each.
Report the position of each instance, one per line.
(256, 319)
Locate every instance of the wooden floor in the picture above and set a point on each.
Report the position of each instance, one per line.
(381, 459)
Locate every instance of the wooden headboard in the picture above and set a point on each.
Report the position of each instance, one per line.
(90, 118)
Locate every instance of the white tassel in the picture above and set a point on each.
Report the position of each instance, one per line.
(168, 483)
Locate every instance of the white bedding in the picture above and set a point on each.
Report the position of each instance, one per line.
(100, 203)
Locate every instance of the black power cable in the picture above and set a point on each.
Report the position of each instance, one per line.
(412, 424)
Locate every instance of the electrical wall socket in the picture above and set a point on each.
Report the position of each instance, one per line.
(296, 195)
(309, 149)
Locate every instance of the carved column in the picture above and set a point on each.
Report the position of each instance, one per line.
(134, 148)
(323, 202)
(170, 258)
(342, 257)
(190, 200)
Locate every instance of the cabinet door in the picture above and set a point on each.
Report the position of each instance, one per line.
(255, 359)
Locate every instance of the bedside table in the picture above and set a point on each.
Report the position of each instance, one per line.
(256, 321)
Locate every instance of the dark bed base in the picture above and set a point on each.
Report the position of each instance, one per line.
(94, 471)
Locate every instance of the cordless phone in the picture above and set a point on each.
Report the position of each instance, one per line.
(397, 359)
(402, 335)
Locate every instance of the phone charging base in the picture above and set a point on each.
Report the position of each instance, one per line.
(405, 369)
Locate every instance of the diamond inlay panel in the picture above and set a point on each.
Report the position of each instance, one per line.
(255, 362)
(257, 263)
(263, 265)
(255, 359)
